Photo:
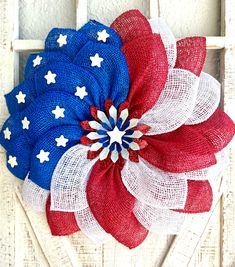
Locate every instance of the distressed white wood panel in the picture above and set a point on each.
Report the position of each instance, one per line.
(228, 80)
(212, 43)
(7, 201)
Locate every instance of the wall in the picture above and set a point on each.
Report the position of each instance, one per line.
(185, 17)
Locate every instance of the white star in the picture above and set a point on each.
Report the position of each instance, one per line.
(96, 60)
(20, 97)
(81, 92)
(116, 135)
(61, 141)
(102, 36)
(25, 123)
(7, 134)
(58, 112)
(12, 161)
(43, 156)
(37, 61)
(50, 77)
(62, 40)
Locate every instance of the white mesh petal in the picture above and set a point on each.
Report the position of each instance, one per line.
(90, 227)
(153, 186)
(70, 178)
(175, 104)
(34, 196)
(170, 222)
(208, 98)
(161, 221)
(159, 26)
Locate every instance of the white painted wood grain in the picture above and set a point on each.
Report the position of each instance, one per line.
(7, 201)
(228, 81)
(212, 42)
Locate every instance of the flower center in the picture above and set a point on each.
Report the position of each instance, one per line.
(112, 134)
(116, 135)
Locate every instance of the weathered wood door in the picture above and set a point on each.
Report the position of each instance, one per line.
(25, 240)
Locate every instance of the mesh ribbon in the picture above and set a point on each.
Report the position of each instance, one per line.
(153, 186)
(191, 54)
(158, 25)
(175, 104)
(182, 150)
(199, 197)
(61, 223)
(112, 205)
(130, 25)
(218, 130)
(207, 101)
(147, 64)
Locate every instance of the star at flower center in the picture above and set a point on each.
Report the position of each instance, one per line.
(112, 134)
(116, 135)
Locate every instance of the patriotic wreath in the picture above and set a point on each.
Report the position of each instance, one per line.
(116, 130)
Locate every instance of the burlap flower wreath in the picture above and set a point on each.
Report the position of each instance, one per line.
(116, 130)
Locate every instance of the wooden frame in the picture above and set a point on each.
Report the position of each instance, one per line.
(54, 250)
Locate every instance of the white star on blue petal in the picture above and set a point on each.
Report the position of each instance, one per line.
(96, 60)
(50, 77)
(12, 161)
(7, 134)
(37, 61)
(20, 97)
(62, 40)
(58, 112)
(81, 92)
(102, 36)
(61, 141)
(43, 156)
(25, 123)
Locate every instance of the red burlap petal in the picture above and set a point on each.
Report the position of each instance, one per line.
(130, 25)
(112, 205)
(148, 69)
(219, 130)
(61, 223)
(191, 54)
(199, 198)
(179, 151)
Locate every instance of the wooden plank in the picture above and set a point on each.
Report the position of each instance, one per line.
(213, 42)
(149, 253)
(228, 81)
(81, 13)
(154, 9)
(7, 201)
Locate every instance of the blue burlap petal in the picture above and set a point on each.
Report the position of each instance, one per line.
(41, 118)
(20, 149)
(91, 29)
(46, 58)
(68, 78)
(75, 86)
(112, 76)
(27, 87)
(41, 173)
(75, 41)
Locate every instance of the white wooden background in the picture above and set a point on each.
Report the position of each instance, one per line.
(206, 240)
